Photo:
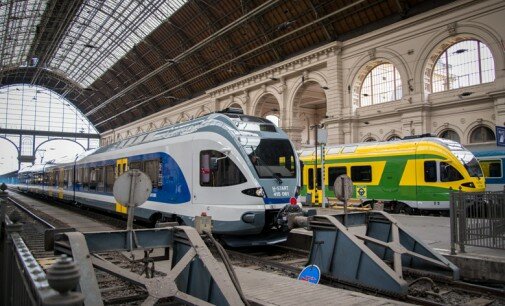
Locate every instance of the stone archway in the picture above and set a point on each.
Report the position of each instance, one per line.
(309, 100)
(267, 105)
(236, 105)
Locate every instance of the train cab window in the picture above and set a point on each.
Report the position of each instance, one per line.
(153, 169)
(361, 173)
(448, 173)
(217, 170)
(430, 171)
(334, 172)
(491, 168)
(109, 178)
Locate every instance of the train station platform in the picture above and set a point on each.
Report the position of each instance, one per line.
(477, 263)
(270, 289)
(62, 215)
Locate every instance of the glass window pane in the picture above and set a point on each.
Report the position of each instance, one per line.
(430, 171)
(36, 108)
(463, 64)
(382, 84)
(482, 134)
(450, 134)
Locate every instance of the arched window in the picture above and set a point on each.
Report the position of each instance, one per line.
(31, 107)
(394, 137)
(466, 63)
(382, 84)
(450, 134)
(370, 139)
(482, 134)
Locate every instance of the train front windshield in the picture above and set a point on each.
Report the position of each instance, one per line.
(273, 158)
(470, 162)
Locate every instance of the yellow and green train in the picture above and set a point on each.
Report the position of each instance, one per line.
(407, 175)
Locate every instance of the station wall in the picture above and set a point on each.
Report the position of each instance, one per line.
(325, 85)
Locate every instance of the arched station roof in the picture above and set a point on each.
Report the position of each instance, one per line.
(121, 60)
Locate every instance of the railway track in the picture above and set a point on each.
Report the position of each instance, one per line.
(425, 289)
(114, 290)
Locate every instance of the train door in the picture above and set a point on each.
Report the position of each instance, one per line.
(121, 167)
(314, 183)
(428, 195)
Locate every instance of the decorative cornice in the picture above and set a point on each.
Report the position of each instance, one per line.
(281, 70)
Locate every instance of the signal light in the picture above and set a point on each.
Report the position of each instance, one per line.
(292, 201)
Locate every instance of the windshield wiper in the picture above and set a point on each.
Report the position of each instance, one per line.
(275, 175)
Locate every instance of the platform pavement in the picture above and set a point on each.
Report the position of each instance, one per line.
(475, 263)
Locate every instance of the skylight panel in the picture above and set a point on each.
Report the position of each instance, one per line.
(124, 24)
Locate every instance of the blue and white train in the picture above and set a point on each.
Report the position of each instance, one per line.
(492, 161)
(238, 169)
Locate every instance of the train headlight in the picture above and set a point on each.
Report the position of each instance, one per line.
(254, 192)
(248, 217)
(469, 185)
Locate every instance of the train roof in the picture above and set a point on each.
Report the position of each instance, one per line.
(231, 122)
(490, 153)
(38, 167)
(352, 147)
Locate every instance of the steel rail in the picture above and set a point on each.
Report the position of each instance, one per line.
(30, 213)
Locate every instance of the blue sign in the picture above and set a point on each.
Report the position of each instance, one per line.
(500, 136)
(310, 274)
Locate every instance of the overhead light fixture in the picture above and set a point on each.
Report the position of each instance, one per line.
(325, 87)
(459, 51)
(465, 94)
(274, 79)
(365, 95)
(285, 25)
(89, 46)
(171, 61)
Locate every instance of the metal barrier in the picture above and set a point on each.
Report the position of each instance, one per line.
(375, 260)
(477, 219)
(23, 281)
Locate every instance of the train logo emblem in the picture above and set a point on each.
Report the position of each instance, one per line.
(361, 191)
(310, 274)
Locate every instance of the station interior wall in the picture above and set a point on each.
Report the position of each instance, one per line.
(322, 86)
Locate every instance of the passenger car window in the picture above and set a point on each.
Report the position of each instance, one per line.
(153, 169)
(491, 168)
(334, 172)
(361, 173)
(217, 170)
